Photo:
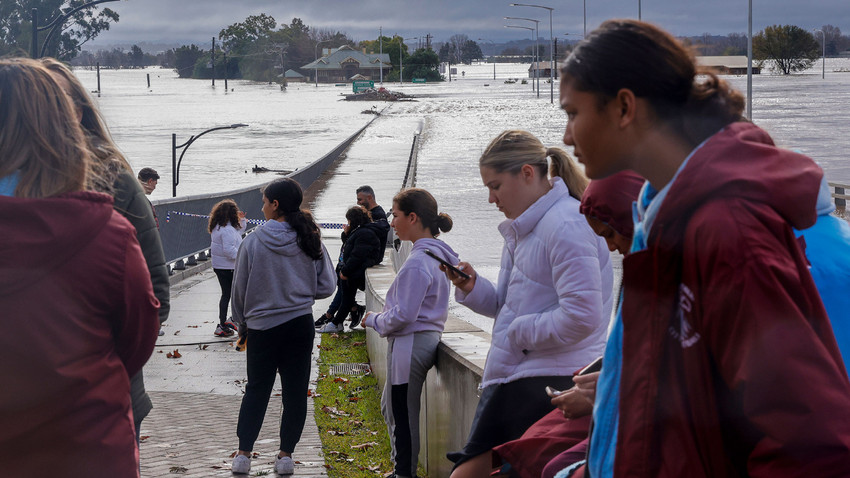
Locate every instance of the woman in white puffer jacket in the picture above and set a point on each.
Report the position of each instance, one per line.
(227, 223)
(553, 299)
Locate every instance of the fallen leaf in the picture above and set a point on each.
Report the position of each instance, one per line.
(354, 399)
(255, 455)
(144, 437)
(193, 326)
(159, 351)
(178, 469)
(356, 344)
(329, 467)
(355, 423)
(176, 354)
(233, 455)
(335, 411)
(364, 446)
(341, 379)
(175, 333)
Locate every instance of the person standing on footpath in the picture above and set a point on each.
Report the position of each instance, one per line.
(722, 352)
(413, 319)
(75, 288)
(112, 174)
(552, 303)
(280, 270)
(226, 225)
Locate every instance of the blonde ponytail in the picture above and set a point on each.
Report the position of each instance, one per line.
(565, 168)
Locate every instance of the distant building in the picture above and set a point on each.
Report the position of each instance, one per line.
(342, 64)
(294, 76)
(545, 67)
(727, 65)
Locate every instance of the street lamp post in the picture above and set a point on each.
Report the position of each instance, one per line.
(536, 51)
(494, 55)
(750, 61)
(175, 163)
(823, 61)
(551, 50)
(535, 56)
(56, 23)
(316, 54)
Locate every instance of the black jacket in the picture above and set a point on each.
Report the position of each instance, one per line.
(381, 225)
(362, 249)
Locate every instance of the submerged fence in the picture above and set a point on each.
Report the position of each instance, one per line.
(185, 235)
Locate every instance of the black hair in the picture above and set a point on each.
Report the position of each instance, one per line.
(146, 174)
(288, 194)
(424, 205)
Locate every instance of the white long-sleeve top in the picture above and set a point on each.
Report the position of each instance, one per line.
(553, 299)
(224, 245)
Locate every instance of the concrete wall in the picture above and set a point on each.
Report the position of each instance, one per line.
(450, 395)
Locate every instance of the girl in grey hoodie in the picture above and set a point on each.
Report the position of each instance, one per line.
(413, 318)
(280, 270)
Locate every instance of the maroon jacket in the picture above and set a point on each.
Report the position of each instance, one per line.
(730, 367)
(80, 318)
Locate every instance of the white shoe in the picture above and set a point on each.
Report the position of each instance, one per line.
(284, 465)
(241, 465)
(331, 328)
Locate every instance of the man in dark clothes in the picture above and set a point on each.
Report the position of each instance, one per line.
(366, 198)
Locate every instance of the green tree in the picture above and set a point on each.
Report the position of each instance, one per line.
(82, 26)
(185, 58)
(423, 63)
(789, 47)
(137, 57)
(470, 51)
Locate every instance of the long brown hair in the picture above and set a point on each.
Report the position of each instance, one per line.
(40, 137)
(107, 159)
(513, 149)
(223, 213)
(654, 65)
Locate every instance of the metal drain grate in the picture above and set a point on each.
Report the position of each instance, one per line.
(350, 369)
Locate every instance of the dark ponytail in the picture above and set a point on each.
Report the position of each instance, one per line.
(654, 65)
(424, 205)
(288, 195)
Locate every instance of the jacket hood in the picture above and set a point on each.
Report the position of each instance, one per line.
(742, 161)
(279, 237)
(438, 247)
(610, 200)
(41, 234)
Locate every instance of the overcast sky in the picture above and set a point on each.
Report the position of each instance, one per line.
(186, 21)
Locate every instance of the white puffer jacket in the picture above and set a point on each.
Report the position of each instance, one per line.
(553, 301)
(224, 244)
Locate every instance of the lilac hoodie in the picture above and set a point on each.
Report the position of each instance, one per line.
(418, 299)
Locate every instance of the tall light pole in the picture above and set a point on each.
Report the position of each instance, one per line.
(494, 54)
(750, 62)
(639, 10)
(381, 52)
(53, 25)
(536, 50)
(400, 51)
(535, 54)
(551, 50)
(175, 163)
(823, 61)
(316, 54)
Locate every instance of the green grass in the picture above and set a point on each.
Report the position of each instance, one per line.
(356, 445)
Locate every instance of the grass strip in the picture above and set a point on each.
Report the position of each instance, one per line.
(348, 412)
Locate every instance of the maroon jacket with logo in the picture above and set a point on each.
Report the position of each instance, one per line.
(80, 318)
(730, 367)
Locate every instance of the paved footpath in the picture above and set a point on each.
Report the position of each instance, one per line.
(191, 431)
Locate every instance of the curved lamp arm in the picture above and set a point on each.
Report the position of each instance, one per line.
(60, 20)
(185, 146)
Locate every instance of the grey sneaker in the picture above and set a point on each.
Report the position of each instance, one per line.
(284, 465)
(241, 465)
(331, 328)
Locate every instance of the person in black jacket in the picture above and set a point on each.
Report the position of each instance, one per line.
(366, 199)
(361, 249)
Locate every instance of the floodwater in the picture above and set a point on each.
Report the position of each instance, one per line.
(289, 129)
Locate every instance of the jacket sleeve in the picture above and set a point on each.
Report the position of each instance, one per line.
(137, 331)
(230, 240)
(130, 202)
(411, 285)
(363, 250)
(574, 260)
(240, 282)
(325, 275)
(482, 299)
(770, 341)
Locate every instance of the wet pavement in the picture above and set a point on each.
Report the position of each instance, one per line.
(192, 428)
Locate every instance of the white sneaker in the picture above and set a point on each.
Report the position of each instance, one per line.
(331, 328)
(284, 465)
(241, 465)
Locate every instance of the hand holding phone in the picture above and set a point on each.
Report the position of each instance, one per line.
(552, 392)
(447, 265)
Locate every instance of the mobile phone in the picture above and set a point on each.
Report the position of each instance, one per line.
(552, 392)
(594, 366)
(443, 262)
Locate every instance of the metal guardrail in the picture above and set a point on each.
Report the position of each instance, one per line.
(838, 194)
(185, 240)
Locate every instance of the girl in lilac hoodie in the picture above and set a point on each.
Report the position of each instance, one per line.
(412, 320)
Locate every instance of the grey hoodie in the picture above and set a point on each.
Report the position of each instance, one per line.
(274, 280)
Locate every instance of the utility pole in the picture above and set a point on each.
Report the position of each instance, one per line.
(212, 57)
(381, 61)
(428, 38)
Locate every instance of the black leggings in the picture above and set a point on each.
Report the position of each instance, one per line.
(225, 280)
(283, 350)
(349, 294)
